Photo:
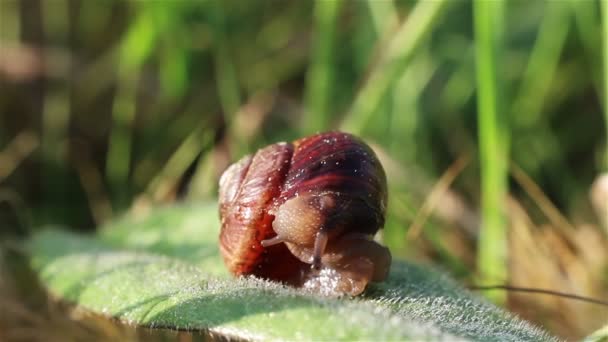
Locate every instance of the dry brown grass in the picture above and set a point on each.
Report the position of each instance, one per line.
(571, 261)
(547, 252)
(560, 256)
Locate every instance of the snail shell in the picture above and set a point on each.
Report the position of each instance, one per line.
(305, 213)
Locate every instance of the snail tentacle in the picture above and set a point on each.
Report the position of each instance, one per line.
(272, 241)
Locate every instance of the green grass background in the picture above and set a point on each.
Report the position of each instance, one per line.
(108, 107)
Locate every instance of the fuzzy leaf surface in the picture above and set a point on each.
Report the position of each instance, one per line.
(163, 269)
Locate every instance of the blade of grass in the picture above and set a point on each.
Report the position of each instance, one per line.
(399, 51)
(384, 16)
(529, 107)
(16, 151)
(541, 200)
(226, 79)
(177, 164)
(493, 144)
(279, 50)
(174, 70)
(212, 163)
(10, 26)
(460, 86)
(406, 128)
(55, 118)
(320, 75)
(433, 199)
(118, 159)
(92, 183)
(135, 48)
(384, 19)
(542, 64)
(458, 92)
(604, 6)
(586, 22)
(227, 82)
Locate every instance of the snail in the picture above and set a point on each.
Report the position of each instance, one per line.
(305, 214)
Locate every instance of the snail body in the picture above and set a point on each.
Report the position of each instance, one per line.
(305, 213)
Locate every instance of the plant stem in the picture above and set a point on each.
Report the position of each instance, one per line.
(604, 5)
(493, 145)
(604, 10)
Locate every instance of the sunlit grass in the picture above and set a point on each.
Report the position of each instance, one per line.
(392, 63)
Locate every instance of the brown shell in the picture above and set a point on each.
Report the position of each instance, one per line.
(252, 188)
(247, 189)
(343, 164)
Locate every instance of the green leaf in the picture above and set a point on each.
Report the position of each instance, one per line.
(598, 336)
(164, 270)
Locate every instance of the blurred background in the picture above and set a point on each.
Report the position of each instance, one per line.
(115, 106)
